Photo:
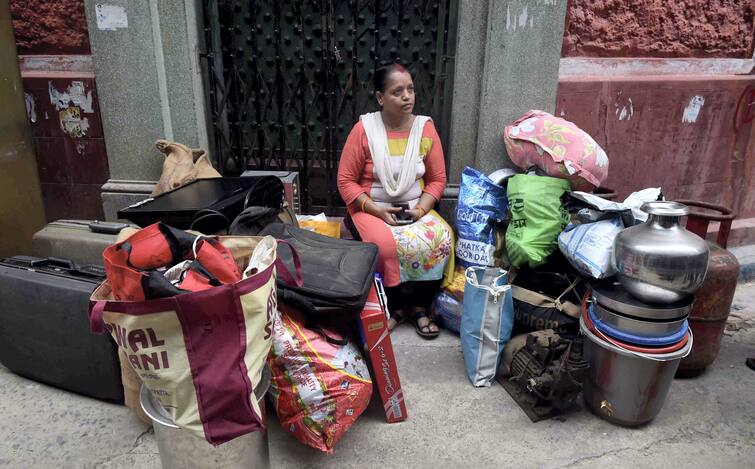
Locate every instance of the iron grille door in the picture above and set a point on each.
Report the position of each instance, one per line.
(288, 79)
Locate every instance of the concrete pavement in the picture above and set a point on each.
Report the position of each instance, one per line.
(706, 422)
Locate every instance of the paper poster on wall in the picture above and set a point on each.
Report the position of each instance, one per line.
(110, 17)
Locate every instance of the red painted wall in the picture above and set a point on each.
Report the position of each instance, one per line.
(659, 28)
(690, 135)
(50, 27)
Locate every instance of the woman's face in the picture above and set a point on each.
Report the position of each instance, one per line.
(398, 97)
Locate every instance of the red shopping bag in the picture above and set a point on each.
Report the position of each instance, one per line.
(131, 264)
(202, 353)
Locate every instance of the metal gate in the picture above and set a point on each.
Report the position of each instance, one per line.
(288, 79)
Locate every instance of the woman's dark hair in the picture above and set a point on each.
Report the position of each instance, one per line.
(380, 78)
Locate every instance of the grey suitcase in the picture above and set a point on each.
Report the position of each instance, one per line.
(81, 241)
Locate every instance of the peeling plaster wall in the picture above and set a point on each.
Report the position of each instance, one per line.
(659, 28)
(62, 106)
(50, 27)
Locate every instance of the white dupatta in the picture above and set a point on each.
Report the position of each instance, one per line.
(377, 139)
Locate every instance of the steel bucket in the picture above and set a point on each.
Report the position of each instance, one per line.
(624, 387)
(180, 449)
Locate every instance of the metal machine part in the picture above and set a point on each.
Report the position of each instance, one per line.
(543, 372)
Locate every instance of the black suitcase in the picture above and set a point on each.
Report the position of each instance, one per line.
(44, 327)
(337, 274)
(207, 205)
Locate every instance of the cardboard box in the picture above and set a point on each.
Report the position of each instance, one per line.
(373, 327)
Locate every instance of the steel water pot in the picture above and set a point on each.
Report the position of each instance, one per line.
(659, 261)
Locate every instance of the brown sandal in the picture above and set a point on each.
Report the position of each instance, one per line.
(424, 331)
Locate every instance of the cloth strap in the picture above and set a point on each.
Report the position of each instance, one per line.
(538, 299)
(377, 139)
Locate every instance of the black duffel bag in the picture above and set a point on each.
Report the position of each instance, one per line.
(545, 300)
(337, 274)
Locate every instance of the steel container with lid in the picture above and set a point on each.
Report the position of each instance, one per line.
(659, 261)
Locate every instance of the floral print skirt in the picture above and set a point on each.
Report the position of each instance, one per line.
(423, 248)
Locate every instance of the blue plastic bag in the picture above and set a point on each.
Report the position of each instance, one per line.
(481, 204)
(448, 310)
(487, 317)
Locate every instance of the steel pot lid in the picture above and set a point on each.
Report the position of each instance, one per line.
(664, 208)
(612, 295)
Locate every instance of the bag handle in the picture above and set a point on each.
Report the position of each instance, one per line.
(283, 270)
(496, 291)
(329, 338)
(96, 309)
(538, 299)
(557, 301)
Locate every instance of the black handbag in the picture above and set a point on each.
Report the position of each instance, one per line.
(337, 274)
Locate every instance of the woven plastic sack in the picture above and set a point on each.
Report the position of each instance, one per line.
(558, 147)
(319, 386)
(537, 218)
(482, 204)
(589, 247)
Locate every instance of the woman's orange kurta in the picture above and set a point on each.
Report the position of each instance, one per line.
(356, 175)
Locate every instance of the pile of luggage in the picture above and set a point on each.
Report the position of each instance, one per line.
(202, 319)
(537, 246)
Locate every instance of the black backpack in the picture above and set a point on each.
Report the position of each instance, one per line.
(337, 274)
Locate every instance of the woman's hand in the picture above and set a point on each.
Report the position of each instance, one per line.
(416, 213)
(387, 214)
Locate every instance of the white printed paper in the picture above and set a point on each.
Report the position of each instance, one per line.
(110, 17)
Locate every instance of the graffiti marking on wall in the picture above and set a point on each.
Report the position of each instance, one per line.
(519, 21)
(624, 108)
(693, 109)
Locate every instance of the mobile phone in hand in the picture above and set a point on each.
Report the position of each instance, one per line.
(403, 217)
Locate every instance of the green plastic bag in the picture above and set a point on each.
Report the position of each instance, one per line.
(537, 218)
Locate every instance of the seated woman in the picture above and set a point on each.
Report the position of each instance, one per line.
(391, 174)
